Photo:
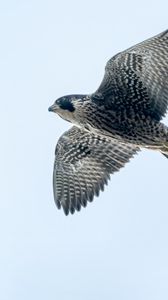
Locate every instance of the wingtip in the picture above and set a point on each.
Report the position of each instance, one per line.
(66, 211)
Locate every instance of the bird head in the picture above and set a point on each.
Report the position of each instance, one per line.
(68, 106)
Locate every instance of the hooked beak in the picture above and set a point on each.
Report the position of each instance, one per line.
(53, 107)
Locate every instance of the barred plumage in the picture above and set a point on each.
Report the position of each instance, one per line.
(83, 164)
(113, 123)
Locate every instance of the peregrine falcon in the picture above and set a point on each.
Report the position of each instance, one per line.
(112, 124)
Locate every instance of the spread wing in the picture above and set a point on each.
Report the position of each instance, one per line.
(136, 80)
(83, 164)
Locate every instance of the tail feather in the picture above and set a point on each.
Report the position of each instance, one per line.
(164, 150)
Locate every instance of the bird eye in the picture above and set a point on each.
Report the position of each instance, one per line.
(67, 105)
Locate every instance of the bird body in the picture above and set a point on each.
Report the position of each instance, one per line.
(113, 123)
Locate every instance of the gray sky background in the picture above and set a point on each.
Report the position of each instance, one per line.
(116, 248)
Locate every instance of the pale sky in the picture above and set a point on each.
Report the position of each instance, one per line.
(116, 248)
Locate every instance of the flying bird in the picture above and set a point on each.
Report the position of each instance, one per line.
(112, 124)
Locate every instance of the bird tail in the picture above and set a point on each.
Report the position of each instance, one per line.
(164, 150)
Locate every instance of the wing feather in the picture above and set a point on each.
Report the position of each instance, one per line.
(136, 80)
(83, 164)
